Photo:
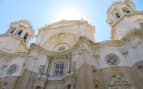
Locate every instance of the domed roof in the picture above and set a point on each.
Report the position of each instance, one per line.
(115, 4)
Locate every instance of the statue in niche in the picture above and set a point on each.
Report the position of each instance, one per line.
(139, 66)
(12, 69)
(97, 84)
(42, 70)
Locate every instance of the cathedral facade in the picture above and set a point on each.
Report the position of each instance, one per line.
(66, 56)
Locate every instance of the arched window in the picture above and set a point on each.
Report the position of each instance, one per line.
(126, 10)
(19, 33)
(117, 15)
(25, 36)
(12, 31)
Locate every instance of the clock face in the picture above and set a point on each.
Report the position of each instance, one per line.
(12, 69)
(112, 59)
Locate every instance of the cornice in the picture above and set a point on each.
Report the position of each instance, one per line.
(112, 43)
(127, 15)
(136, 33)
(13, 55)
(91, 44)
(81, 40)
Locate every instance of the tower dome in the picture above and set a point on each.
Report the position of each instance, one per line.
(17, 37)
(124, 19)
(119, 9)
(21, 29)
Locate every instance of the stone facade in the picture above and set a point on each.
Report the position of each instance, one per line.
(66, 56)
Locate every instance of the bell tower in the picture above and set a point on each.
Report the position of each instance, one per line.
(123, 18)
(21, 29)
(17, 37)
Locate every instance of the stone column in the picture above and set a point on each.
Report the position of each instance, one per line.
(85, 77)
(24, 81)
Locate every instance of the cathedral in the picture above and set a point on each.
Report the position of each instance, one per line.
(66, 56)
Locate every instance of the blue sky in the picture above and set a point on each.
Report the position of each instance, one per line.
(41, 12)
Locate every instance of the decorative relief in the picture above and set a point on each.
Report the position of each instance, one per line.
(57, 41)
(112, 59)
(62, 37)
(118, 82)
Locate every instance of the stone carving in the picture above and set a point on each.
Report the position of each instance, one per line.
(118, 82)
(61, 39)
(42, 70)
